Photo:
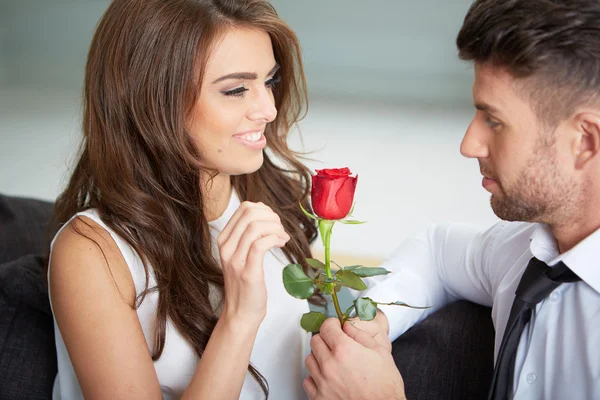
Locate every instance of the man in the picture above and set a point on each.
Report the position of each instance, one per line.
(536, 136)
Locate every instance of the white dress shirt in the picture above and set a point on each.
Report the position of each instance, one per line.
(559, 352)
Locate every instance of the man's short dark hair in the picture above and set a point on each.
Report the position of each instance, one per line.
(554, 44)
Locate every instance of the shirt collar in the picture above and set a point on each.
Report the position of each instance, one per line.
(583, 259)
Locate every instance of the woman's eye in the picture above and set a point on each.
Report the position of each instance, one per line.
(237, 92)
(271, 83)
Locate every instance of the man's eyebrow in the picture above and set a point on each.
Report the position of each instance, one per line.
(486, 108)
(244, 75)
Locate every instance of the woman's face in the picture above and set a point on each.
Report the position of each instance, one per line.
(236, 102)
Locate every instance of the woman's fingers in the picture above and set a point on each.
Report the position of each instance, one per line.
(257, 251)
(237, 215)
(252, 231)
(236, 227)
(256, 230)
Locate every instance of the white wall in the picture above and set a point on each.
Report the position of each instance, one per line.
(48, 40)
(411, 173)
(3, 51)
(39, 130)
(390, 101)
(389, 49)
(392, 49)
(407, 157)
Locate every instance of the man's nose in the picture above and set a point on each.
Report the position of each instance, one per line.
(473, 144)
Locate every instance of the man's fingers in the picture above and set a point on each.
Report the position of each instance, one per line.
(313, 368)
(320, 350)
(367, 326)
(374, 329)
(310, 388)
(362, 337)
(332, 333)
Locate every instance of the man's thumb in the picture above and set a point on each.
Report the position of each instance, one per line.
(360, 336)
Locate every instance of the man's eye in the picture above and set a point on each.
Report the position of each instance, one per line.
(491, 123)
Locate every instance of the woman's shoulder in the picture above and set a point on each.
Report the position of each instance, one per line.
(85, 254)
(86, 231)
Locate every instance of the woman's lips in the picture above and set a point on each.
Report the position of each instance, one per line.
(254, 140)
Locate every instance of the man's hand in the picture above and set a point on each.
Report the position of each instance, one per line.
(378, 328)
(350, 364)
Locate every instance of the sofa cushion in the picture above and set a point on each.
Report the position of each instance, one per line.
(450, 355)
(27, 350)
(23, 227)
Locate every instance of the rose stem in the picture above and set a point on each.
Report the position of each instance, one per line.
(326, 235)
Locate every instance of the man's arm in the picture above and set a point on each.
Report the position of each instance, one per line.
(440, 265)
(435, 268)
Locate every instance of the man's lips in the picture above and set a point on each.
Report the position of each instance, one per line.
(488, 182)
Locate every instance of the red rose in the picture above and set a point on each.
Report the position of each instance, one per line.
(332, 193)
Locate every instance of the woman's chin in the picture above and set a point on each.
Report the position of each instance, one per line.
(244, 168)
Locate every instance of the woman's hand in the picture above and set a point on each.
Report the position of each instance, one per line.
(253, 230)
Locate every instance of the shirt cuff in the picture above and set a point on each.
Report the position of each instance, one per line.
(404, 287)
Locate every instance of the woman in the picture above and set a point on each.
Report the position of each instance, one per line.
(176, 221)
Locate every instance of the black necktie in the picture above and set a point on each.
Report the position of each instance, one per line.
(537, 282)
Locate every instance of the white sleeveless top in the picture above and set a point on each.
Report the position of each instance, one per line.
(279, 349)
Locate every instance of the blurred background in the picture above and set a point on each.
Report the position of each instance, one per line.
(388, 98)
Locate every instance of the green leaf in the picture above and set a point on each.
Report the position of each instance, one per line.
(309, 215)
(352, 209)
(297, 283)
(321, 284)
(315, 264)
(365, 272)
(338, 286)
(312, 321)
(323, 288)
(352, 222)
(347, 313)
(324, 284)
(352, 267)
(325, 228)
(350, 279)
(365, 308)
(399, 303)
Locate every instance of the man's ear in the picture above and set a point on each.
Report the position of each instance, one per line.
(586, 146)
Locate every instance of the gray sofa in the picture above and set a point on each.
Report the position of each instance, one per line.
(448, 356)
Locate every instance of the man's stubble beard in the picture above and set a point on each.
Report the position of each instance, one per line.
(541, 194)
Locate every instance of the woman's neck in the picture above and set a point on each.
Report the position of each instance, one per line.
(216, 195)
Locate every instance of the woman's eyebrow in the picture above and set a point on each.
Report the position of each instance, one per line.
(244, 75)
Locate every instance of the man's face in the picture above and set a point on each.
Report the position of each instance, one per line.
(520, 160)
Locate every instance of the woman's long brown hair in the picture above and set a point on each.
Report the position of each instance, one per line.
(139, 167)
